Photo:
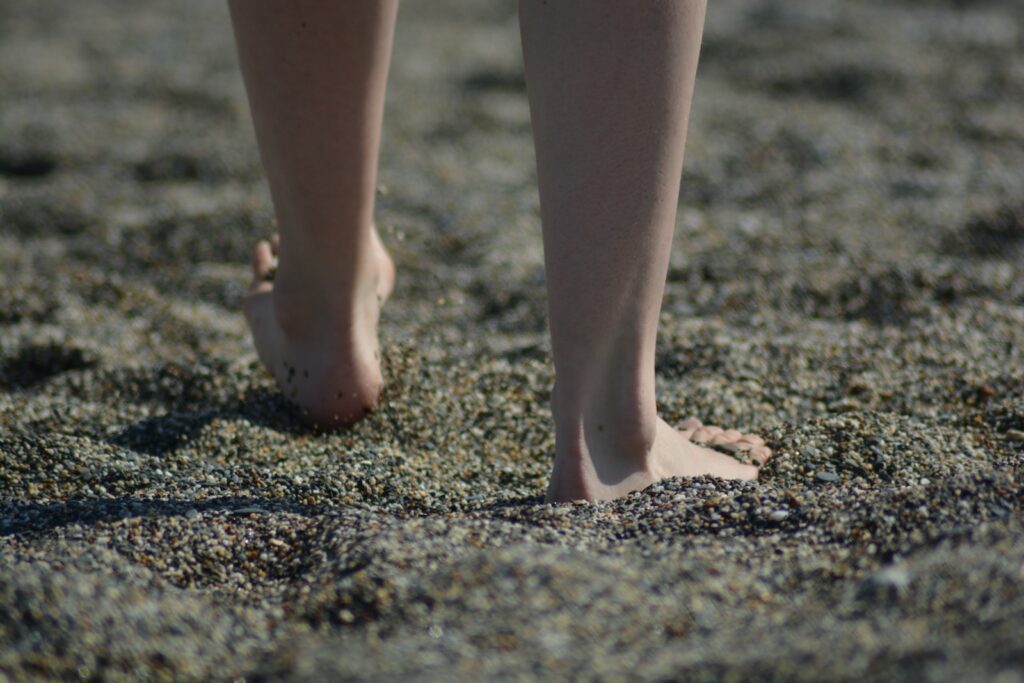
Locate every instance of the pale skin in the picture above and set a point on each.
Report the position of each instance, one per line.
(609, 84)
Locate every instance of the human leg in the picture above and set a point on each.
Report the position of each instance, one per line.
(315, 72)
(610, 84)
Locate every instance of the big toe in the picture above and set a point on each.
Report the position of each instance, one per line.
(759, 455)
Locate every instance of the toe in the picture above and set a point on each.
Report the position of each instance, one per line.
(752, 440)
(690, 423)
(700, 435)
(708, 434)
(759, 455)
(732, 435)
(262, 261)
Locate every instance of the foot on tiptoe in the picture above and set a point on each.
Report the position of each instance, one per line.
(322, 349)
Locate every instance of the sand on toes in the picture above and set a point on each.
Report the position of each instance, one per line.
(334, 378)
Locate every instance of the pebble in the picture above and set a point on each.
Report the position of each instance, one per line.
(893, 580)
(247, 510)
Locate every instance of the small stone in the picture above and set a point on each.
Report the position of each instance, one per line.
(829, 477)
(192, 513)
(778, 515)
(1015, 435)
(895, 579)
(845, 405)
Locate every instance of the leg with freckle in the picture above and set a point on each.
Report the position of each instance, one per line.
(315, 72)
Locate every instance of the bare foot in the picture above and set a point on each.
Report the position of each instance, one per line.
(595, 472)
(324, 356)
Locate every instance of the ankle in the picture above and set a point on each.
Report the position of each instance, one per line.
(614, 426)
(312, 300)
(597, 450)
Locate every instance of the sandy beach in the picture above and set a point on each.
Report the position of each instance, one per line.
(847, 280)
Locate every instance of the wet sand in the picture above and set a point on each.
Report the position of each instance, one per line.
(848, 281)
